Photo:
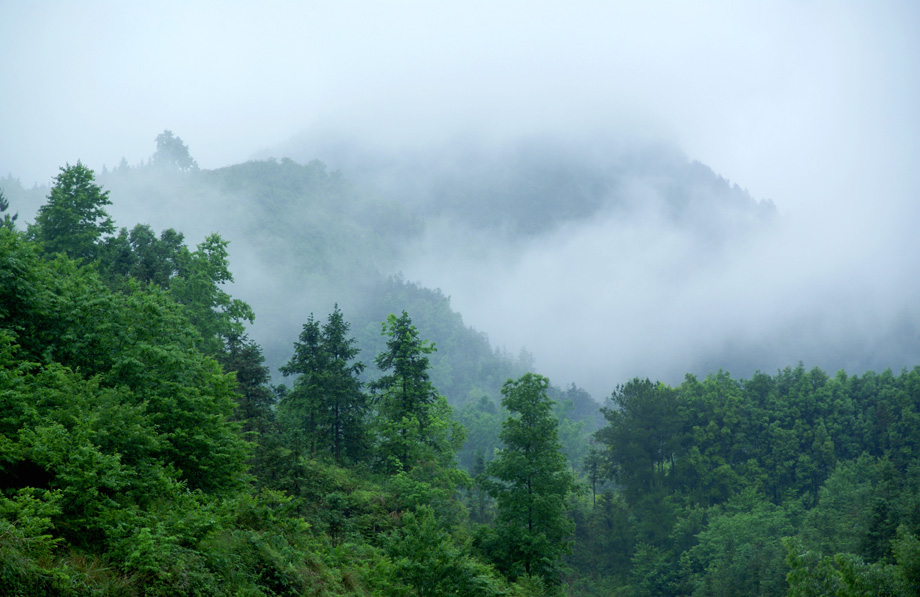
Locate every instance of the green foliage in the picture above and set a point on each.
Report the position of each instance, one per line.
(74, 221)
(122, 470)
(140, 255)
(846, 575)
(840, 520)
(715, 472)
(427, 560)
(604, 540)
(126, 379)
(531, 485)
(210, 309)
(642, 436)
(740, 553)
(414, 420)
(129, 356)
(326, 410)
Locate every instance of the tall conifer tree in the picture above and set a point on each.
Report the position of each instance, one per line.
(530, 484)
(327, 409)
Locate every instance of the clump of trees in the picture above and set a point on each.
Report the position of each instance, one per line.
(144, 451)
(796, 483)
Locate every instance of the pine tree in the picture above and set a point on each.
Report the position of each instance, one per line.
(346, 403)
(405, 395)
(415, 424)
(8, 221)
(530, 484)
(327, 409)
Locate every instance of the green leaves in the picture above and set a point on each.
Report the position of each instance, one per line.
(213, 312)
(426, 559)
(642, 436)
(74, 220)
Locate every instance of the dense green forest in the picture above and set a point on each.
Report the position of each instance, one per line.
(147, 448)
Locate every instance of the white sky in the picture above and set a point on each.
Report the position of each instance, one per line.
(770, 94)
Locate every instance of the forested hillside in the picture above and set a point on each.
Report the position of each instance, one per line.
(144, 451)
(148, 446)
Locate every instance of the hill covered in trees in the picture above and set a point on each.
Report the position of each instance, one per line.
(145, 447)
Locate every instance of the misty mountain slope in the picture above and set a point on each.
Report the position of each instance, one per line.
(609, 260)
(606, 261)
(532, 186)
(499, 230)
(303, 240)
(465, 219)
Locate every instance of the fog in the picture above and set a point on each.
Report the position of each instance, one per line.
(810, 105)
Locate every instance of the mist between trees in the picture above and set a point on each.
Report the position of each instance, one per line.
(147, 447)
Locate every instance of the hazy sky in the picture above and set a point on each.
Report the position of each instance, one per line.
(770, 94)
(813, 105)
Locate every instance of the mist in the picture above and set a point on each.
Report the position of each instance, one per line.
(675, 270)
(806, 106)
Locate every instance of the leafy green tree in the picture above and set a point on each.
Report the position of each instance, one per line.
(531, 483)
(327, 407)
(740, 552)
(115, 383)
(844, 574)
(172, 153)
(642, 436)
(840, 520)
(427, 560)
(214, 313)
(74, 220)
(139, 254)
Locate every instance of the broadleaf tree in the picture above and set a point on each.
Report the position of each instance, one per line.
(74, 220)
(172, 153)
